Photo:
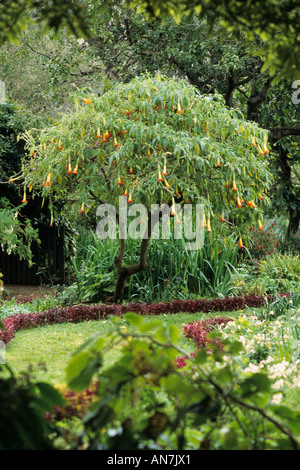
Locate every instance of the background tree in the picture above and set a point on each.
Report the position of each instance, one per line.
(276, 22)
(155, 141)
(42, 70)
(16, 231)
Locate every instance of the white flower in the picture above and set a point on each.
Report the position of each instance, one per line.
(81, 42)
(252, 368)
(277, 398)
(279, 383)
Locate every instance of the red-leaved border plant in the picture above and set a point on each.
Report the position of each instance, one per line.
(81, 313)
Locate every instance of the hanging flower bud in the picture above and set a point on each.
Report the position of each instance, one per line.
(234, 188)
(241, 242)
(82, 210)
(239, 203)
(69, 169)
(98, 133)
(173, 211)
(222, 219)
(116, 143)
(266, 150)
(119, 181)
(24, 201)
(260, 150)
(218, 165)
(160, 178)
(130, 201)
(260, 226)
(106, 136)
(253, 142)
(208, 225)
(251, 204)
(165, 170)
(179, 110)
(48, 181)
(75, 172)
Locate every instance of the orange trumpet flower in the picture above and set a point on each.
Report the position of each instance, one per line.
(239, 202)
(24, 201)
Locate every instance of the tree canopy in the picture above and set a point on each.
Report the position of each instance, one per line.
(275, 22)
(156, 140)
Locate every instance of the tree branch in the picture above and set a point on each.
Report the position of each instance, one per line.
(35, 51)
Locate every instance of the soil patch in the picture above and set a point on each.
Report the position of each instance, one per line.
(24, 292)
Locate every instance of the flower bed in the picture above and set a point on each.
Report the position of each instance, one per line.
(81, 313)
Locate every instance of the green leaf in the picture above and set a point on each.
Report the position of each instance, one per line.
(230, 439)
(235, 348)
(282, 411)
(50, 394)
(201, 356)
(133, 319)
(81, 369)
(256, 383)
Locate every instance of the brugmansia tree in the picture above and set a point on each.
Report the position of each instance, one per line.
(155, 141)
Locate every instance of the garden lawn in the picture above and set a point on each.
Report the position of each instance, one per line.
(47, 349)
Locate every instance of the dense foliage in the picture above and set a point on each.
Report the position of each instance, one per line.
(22, 407)
(214, 402)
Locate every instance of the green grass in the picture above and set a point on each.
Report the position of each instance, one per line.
(52, 345)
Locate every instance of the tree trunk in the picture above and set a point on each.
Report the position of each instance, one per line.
(125, 272)
(294, 222)
(290, 197)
